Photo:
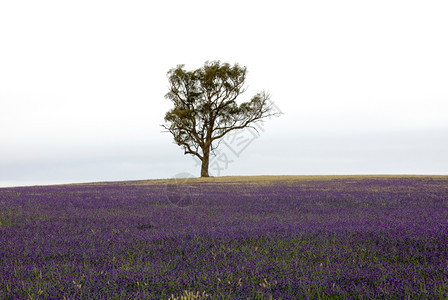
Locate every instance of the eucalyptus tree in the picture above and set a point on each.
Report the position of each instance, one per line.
(205, 107)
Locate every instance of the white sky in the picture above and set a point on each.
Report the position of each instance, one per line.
(363, 86)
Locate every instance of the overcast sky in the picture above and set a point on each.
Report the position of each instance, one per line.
(362, 85)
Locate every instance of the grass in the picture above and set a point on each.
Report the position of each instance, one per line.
(264, 237)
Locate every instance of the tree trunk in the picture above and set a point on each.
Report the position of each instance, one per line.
(205, 162)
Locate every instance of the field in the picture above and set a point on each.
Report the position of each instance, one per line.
(228, 238)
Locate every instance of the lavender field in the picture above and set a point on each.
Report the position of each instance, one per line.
(279, 238)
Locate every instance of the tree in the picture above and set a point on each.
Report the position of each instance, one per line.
(205, 107)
